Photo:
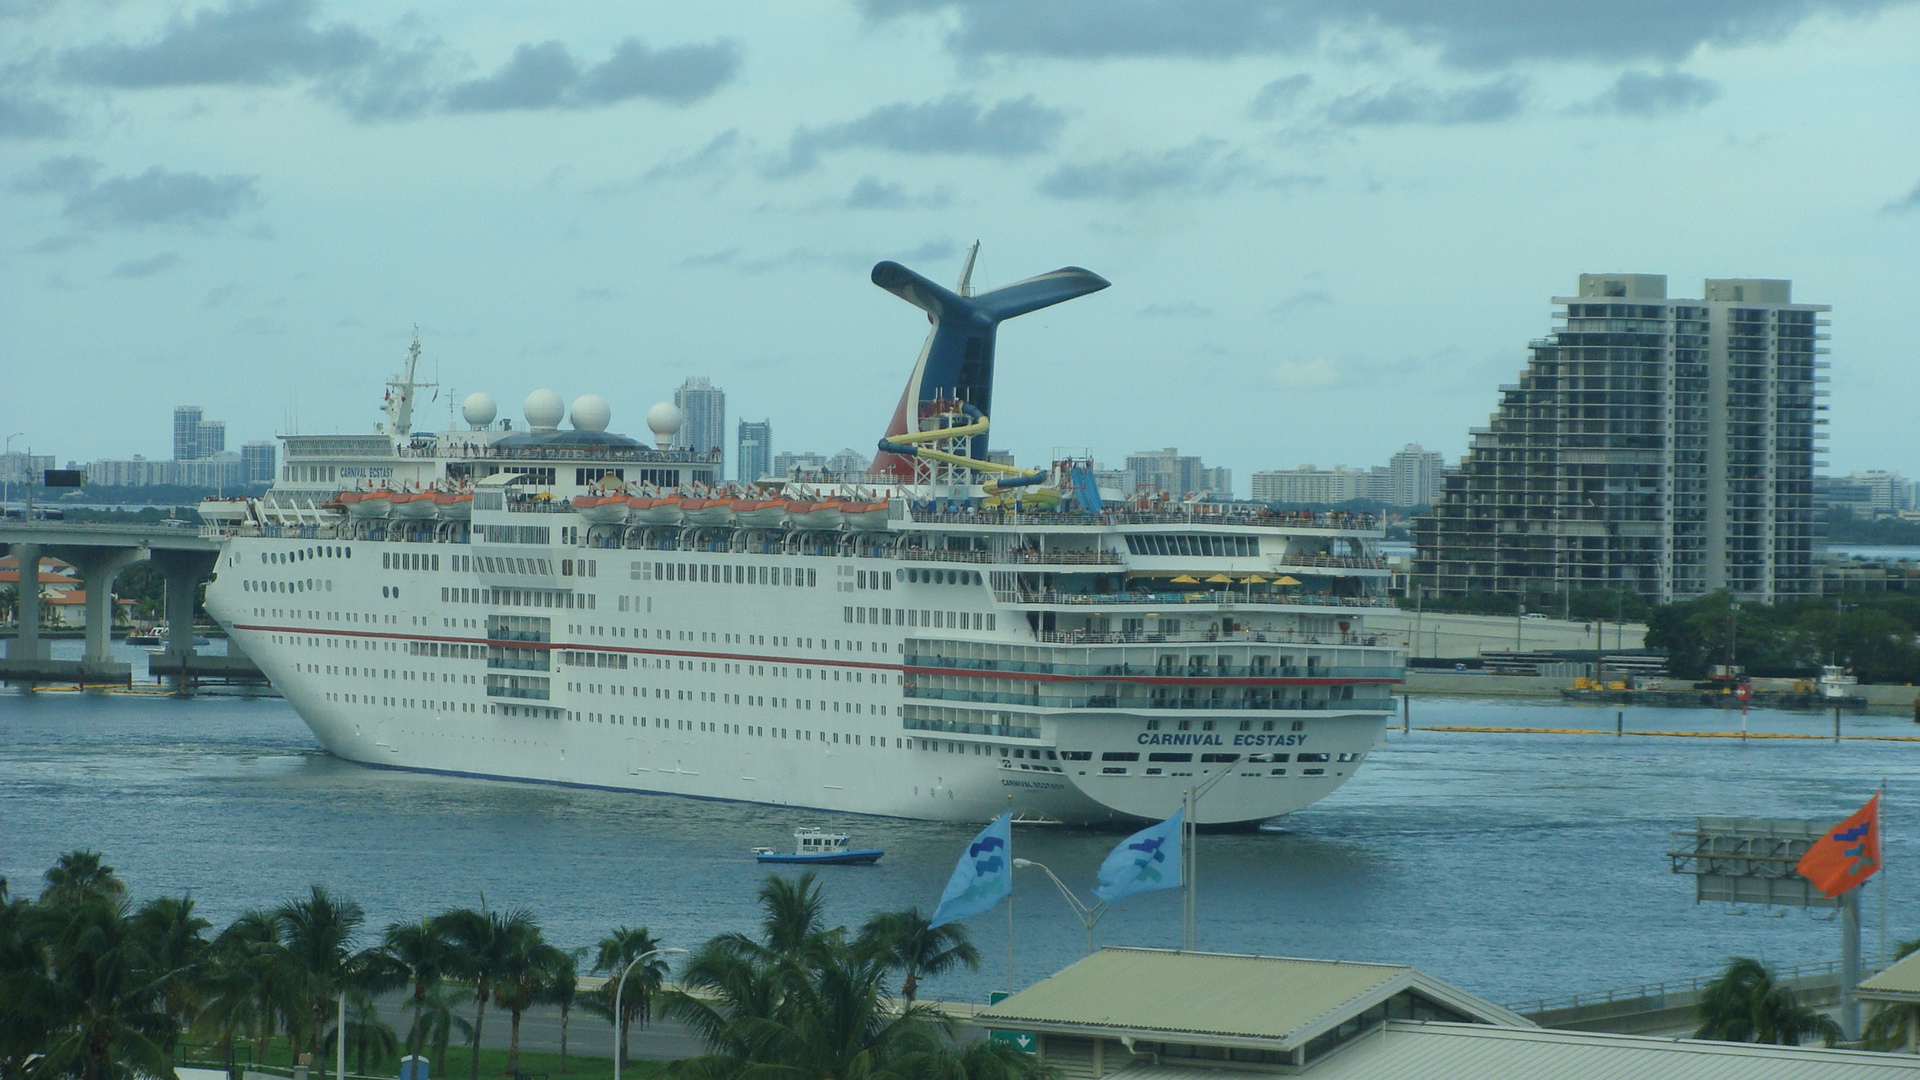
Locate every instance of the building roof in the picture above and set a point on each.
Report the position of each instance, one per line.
(1901, 982)
(1223, 999)
(1413, 1050)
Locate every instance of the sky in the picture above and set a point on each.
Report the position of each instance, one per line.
(1332, 226)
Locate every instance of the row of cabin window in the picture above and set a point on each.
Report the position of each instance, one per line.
(409, 560)
(938, 620)
(324, 551)
(503, 597)
(729, 574)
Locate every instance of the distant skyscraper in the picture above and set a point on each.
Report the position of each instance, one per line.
(186, 432)
(213, 438)
(704, 408)
(259, 458)
(1664, 446)
(1413, 476)
(754, 458)
(1169, 470)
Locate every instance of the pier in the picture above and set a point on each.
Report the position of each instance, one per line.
(99, 552)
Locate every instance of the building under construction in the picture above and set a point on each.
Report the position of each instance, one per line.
(1661, 445)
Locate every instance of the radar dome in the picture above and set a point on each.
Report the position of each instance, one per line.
(479, 410)
(664, 421)
(544, 410)
(590, 412)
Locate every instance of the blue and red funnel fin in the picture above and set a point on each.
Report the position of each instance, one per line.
(957, 361)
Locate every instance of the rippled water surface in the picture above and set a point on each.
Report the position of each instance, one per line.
(1515, 865)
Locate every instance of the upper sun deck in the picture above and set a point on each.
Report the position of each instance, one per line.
(945, 515)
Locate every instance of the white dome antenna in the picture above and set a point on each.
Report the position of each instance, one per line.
(544, 410)
(664, 421)
(478, 410)
(591, 412)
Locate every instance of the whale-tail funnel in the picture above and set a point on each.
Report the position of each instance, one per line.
(956, 364)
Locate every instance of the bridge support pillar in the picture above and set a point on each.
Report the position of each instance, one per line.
(181, 571)
(98, 567)
(27, 645)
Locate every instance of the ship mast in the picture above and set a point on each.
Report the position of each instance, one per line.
(400, 391)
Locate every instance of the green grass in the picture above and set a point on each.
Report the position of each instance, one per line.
(493, 1064)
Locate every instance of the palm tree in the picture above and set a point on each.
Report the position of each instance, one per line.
(484, 942)
(423, 951)
(367, 1035)
(247, 983)
(917, 949)
(1895, 1026)
(522, 977)
(171, 934)
(642, 982)
(98, 991)
(1746, 1004)
(318, 934)
(80, 875)
(561, 989)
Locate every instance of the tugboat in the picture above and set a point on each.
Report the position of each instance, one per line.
(819, 846)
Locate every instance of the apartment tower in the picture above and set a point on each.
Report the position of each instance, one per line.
(1661, 445)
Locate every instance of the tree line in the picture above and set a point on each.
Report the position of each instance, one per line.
(1875, 634)
(97, 988)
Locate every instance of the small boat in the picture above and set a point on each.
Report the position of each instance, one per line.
(601, 509)
(814, 515)
(865, 516)
(153, 635)
(655, 511)
(454, 505)
(415, 506)
(707, 511)
(760, 513)
(819, 846)
(367, 504)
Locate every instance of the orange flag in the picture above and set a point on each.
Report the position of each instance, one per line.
(1848, 855)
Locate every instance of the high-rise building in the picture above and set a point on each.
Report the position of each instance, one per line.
(848, 462)
(754, 458)
(213, 438)
(259, 458)
(703, 409)
(788, 463)
(1661, 445)
(1168, 470)
(1413, 476)
(186, 432)
(1307, 484)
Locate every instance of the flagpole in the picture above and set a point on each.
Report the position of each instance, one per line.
(1880, 813)
(1009, 898)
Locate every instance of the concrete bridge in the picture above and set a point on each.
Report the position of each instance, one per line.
(99, 552)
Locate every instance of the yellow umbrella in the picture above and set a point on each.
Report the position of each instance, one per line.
(1287, 580)
(1186, 579)
(1253, 579)
(1221, 579)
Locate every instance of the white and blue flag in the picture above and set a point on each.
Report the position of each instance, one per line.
(1145, 861)
(983, 875)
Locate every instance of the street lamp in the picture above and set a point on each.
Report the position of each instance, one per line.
(1088, 916)
(621, 986)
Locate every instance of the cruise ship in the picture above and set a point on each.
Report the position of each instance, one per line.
(947, 636)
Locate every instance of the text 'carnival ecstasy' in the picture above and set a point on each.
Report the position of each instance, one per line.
(923, 640)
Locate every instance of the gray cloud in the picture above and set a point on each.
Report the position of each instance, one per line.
(546, 76)
(597, 293)
(871, 193)
(395, 85)
(955, 124)
(1202, 167)
(1301, 301)
(1278, 95)
(1906, 204)
(1650, 94)
(141, 268)
(1413, 103)
(24, 114)
(1491, 34)
(240, 44)
(800, 258)
(155, 197)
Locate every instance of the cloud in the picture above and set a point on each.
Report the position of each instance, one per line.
(155, 197)
(1906, 204)
(1302, 301)
(800, 258)
(546, 76)
(395, 85)
(1413, 103)
(597, 293)
(53, 244)
(1647, 94)
(141, 268)
(1317, 373)
(260, 43)
(1202, 167)
(220, 295)
(1467, 35)
(955, 124)
(25, 114)
(1278, 95)
(871, 193)
(1186, 310)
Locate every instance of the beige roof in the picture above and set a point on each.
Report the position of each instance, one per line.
(1408, 1050)
(1226, 999)
(1901, 982)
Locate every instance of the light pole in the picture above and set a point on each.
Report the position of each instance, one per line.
(1088, 916)
(6, 487)
(618, 988)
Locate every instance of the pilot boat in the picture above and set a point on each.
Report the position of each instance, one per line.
(820, 846)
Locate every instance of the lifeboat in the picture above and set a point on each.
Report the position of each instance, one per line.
(414, 506)
(601, 509)
(654, 511)
(814, 515)
(367, 504)
(865, 516)
(759, 513)
(454, 505)
(707, 511)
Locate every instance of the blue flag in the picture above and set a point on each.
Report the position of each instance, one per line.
(1145, 861)
(983, 875)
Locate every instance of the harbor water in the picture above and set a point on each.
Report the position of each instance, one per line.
(1515, 865)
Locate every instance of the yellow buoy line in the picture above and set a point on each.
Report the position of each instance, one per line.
(1664, 734)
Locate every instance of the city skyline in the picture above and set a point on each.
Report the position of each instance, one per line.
(1348, 220)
